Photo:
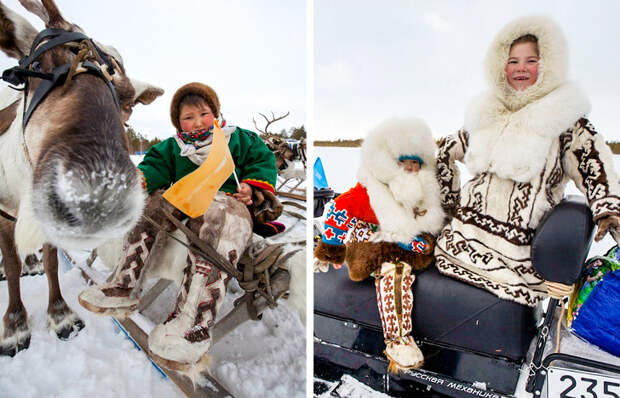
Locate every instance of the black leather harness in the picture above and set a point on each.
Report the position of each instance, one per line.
(28, 68)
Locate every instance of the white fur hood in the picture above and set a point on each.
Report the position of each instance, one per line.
(552, 63)
(511, 132)
(393, 138)
(385, 180)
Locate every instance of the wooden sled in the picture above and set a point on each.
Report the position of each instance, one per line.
(261, 275)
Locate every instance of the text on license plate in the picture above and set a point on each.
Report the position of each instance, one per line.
(571, 383)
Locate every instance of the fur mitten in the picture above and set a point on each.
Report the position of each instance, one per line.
(334, 254)
(265, 206)
(364, 258)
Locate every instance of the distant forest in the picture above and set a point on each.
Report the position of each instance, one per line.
(344, 143)
(140, 144)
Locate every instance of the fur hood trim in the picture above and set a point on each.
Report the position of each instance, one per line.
(394, 138)
(379, 165)
(552, 65)
(515, 145)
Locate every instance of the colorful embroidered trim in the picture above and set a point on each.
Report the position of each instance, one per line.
(418, 245)
(260, 184)
(142, 179)
(336, 225)
(339, 218)
(333, 235)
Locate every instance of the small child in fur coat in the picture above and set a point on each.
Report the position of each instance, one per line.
(392, 214)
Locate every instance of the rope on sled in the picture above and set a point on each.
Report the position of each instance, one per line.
(558, 291)
(260, 263)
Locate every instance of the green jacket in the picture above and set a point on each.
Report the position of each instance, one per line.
(255, 164)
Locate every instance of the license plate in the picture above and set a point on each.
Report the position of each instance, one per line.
(571, 383)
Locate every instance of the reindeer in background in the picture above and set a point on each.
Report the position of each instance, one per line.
(286, 153)
(66, 179)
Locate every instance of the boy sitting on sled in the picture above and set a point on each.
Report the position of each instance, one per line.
(183, 339)
(393, 213)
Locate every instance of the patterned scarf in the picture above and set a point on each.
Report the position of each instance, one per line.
(197, 138)
(196, 145)
(194, 137)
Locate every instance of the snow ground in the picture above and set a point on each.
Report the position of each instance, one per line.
(258, 359)
(98, 362)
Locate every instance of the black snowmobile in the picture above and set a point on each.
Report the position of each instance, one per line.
(474, 343)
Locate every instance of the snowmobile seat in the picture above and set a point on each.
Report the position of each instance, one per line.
(342, 298)
(562, 241)
(446, 311)
(454, 313)
(451, 312)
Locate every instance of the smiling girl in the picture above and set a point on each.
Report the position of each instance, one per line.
(522, 141)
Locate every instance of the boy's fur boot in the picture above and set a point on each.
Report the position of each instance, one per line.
(395, 301)
(183, 340)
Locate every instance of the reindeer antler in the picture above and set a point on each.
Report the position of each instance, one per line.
(36, 8)
(273, 119)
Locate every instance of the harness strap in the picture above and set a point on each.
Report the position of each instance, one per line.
(41, 92)
(7, 216)
(44, 34)
(18, 75)
(59, 74)
(67, 37)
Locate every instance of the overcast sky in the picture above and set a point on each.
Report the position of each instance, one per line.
(252, 53)
(424, 58)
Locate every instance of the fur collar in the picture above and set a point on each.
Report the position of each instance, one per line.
(515, 144)
(397, 223)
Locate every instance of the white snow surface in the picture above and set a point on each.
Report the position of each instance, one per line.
(263, 358)
(349, 387)
(98, 362)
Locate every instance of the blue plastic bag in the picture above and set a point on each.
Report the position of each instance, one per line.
(597, 320)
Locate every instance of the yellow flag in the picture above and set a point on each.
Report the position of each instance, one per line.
(194, 193)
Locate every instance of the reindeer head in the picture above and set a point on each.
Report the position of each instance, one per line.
(85, 189)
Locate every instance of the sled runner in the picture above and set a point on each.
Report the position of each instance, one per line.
(474, 343)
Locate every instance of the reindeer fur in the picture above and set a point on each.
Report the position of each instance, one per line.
(66, 177)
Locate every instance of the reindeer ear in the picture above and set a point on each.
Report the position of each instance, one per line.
(145, 92)
(16, 34)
